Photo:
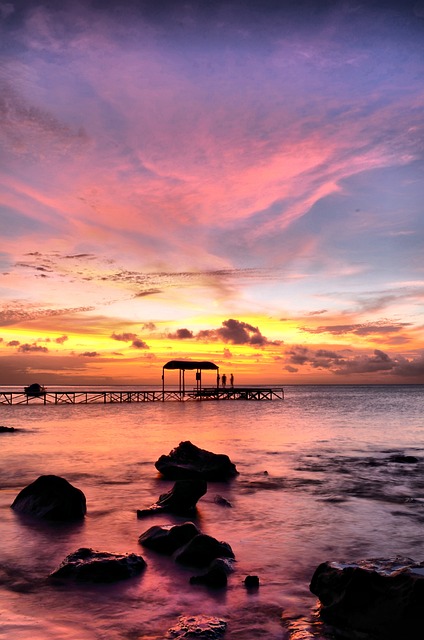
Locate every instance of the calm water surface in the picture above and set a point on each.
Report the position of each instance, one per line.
(316, 483)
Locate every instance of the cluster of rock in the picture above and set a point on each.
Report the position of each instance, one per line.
(379, 599)
(192, 468)
(53, 498)
(189, 546)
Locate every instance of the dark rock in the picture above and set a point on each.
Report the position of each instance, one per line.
(222, 501)
(167, 539)
(51, 498)
(187, 460)
(86, 565)
(7, 429)
(197, 628)
(380, 597)
(251, 582)
(202, 549)
(216, 575)
(403, 459)
(181, 499)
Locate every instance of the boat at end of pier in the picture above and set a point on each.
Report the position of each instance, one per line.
(35, 389)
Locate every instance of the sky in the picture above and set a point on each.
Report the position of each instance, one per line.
(235, 181)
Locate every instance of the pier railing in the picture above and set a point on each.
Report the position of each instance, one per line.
(108, 397)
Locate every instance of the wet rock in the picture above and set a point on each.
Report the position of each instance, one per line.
(86, 565)
(181, 499)
(7, 429)
(381, 597)
(202, 549)
(187, 460)
(216, 575)
(402, 459)
(167, 539)
(251, 582)
(197, 628)
(52, 498)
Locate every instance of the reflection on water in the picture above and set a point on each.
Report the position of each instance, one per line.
(323, 476)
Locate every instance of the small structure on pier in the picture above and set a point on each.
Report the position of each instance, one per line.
(189, 365)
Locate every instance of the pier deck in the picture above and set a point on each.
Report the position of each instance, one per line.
(108, 397)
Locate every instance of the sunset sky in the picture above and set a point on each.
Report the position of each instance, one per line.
(235, 181)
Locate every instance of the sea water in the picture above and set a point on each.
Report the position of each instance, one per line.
(316, 482)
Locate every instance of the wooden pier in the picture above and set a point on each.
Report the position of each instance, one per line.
(109, 397)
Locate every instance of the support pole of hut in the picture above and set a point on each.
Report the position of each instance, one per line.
(163, 384)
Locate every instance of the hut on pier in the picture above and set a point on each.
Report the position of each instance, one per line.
(189, 365)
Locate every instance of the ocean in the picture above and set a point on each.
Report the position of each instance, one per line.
(317, 481)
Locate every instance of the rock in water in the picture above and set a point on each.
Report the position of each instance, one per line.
(51, 498)
(402, 459)
(381, 597)
(187, 460)
(86, 565)
(167, 539)
(251, 582)
(197, 628)
(216, 575)
(181, 499)
(202, 549)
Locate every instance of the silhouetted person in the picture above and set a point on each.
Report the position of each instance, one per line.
(224, 381)
(217, 380)
(232, 380)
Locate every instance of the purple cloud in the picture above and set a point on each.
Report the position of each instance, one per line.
(344, 364)
(237, 332)
(35, 348)
(124, 337)
(139, 344)
(181, 334)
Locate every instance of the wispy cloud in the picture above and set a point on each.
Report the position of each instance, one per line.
(382, 327)
(18, 313)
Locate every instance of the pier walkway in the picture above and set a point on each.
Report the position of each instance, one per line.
(107, 397)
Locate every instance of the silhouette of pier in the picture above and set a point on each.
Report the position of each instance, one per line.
(109, 397)
(38, 394)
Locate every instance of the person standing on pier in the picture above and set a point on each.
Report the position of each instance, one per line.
(231, 381)
(224, 380)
